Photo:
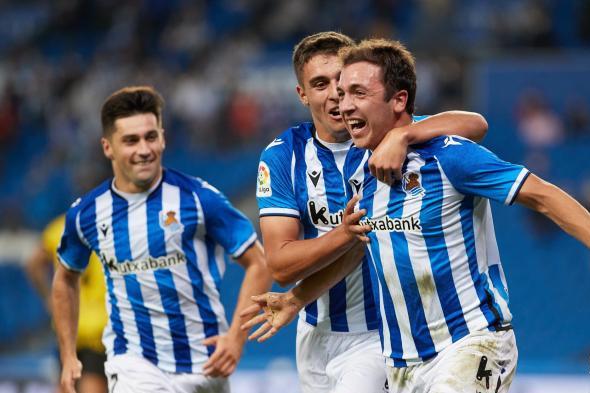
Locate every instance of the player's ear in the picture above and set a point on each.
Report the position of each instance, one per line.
(398, 101)
(107, 148)
(163, 139)
(302, 95)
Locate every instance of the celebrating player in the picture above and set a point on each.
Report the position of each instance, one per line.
(301, 194)
(443, 291)
(158, 233)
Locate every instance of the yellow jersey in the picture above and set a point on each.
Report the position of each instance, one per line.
(93, 315)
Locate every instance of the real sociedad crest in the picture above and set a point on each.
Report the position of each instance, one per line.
(412, 184)
(169, 221)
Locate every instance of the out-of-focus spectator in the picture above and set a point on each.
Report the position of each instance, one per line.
(539, 127)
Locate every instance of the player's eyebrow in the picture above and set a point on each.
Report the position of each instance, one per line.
(319, 78)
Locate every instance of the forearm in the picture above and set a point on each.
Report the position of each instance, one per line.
(318, 283)
(560, 207)
(466, 124)
(298, 259)
(257, 280)
(65, 299)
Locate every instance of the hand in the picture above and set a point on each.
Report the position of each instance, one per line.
(388, 158)
(278, 310)
(71, 372)
(351, 221)
(225, 358)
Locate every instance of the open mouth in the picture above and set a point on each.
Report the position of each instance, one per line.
(335, 114)
(356, 124)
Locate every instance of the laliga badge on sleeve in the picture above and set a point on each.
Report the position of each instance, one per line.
(263, 188)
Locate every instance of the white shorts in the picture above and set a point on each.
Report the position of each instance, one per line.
(133, 374)
(479, 362)
(339, 362)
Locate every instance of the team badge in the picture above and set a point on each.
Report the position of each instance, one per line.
(263, 188)
(412, 185)
(169, 221)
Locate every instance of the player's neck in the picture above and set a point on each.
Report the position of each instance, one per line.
(333, 136)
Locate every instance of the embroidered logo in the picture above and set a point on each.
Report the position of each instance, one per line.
(411, 183)
(169, 221)
(314, 176)
(264, 189)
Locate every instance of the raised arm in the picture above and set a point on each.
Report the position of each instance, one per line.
(291, 259)
(556, 204)
(387, 159)
(228, 347)
(65, 296)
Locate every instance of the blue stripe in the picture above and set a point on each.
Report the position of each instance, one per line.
(494, 271)
(123, 253)
(189, 218)
(479, 282)
(418, 324)
(336, 197)
(432, 232)
(166, 286)
(370, 185)
(212, 261)
(88, 216)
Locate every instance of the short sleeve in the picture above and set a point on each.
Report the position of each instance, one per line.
(474, 170)
(274, 184)
(224, 223)
(72, 252)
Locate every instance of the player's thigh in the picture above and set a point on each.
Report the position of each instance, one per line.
(311, 357)
(133, 374)
(483, 362)
(359, 368)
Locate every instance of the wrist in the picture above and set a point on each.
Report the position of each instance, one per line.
(404, 134)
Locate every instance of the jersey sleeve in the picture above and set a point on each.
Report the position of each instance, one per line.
(224, 223)
(72, 252)
(474, 170)
(274, 184)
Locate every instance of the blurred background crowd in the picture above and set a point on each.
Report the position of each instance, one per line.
(224, 67)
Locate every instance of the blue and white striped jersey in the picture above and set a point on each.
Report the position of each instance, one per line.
(301, 177)
(433, 245)
(163, 255)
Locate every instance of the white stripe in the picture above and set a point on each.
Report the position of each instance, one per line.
(277, 211)
(392, 280)
(239, 251)
(209, 287)
(421, 266)
(293, 173)
(516, 186)
(455, 242)
(387, 349)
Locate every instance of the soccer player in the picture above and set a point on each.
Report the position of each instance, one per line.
(301, 195)
(443, 297)
(160, 236)
(93, 315)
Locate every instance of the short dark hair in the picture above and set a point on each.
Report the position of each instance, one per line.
(397, 64)
(129, 101)
(327, 42)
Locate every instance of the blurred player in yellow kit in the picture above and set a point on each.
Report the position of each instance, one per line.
(93, 316)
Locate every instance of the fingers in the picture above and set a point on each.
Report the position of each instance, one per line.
(252, 309)
(260, 318)
(271, 332)
(349, 210)
(260, 331)
(210, 341)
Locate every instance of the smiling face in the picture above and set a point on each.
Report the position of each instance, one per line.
(319, 91)
(135, 149)
(368, 117)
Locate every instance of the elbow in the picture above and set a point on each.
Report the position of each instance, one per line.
(283, 279)
(481, 125)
